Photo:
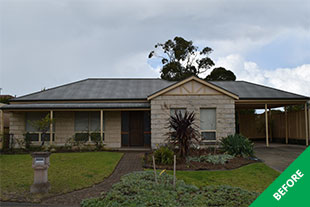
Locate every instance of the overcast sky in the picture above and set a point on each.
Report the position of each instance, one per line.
(45, 43)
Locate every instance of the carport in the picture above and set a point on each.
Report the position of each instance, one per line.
(253, 96)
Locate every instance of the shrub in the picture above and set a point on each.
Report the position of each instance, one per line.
(183, 132)
(214, 159)
(140, 189)
(96, 138)
(81, 137)
(27, 139)
(164, 155)
(237, 145)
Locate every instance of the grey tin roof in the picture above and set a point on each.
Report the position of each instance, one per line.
(100, 89)
(247, 90)
(131, 89)
(131, 105)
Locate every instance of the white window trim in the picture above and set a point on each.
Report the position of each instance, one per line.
(209, 130)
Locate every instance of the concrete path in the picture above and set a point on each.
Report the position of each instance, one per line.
(278, 156)
(130, 162)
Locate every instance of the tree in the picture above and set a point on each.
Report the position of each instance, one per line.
(221, 74)
(42, 126)
(181, 59)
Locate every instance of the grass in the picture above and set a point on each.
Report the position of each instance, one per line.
(254, 177)
(67, 172)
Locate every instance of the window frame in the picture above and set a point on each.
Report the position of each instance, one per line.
(89, 131)
(38, 132)
(208, 130)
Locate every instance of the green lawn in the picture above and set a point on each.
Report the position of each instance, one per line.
(254, 177)
(67, 172)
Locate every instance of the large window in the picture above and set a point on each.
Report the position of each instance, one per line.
(177, 110)
(208, 124)
(35, 135)
(87, 125)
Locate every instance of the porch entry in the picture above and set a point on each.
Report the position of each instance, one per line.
(136, 129)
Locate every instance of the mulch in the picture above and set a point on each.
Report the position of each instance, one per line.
(182, 164)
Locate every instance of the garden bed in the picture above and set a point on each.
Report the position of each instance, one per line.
(184, 164)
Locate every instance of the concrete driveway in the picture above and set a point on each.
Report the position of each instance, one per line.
(278, 156)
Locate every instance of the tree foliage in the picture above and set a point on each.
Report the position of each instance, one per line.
(181, 59)
(221, 74)
(43, 124)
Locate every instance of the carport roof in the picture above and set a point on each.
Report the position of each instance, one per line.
(251, 91)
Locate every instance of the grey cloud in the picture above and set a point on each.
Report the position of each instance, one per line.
(46, 43)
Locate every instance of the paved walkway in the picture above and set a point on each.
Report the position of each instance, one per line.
(130, 162)
(278, 156)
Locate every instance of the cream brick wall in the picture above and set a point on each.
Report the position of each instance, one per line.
(225, 113)
(17, 125)
(64, 126)
(112, 129)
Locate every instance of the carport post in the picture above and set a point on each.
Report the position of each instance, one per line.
(307, 137)
(2, 123)
(266, 121)
(286, 129)
(101, 125)
(51, 128)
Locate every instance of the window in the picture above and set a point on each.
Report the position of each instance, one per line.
(34, 134)
(177, 110)
(87, 124)
(208, 124)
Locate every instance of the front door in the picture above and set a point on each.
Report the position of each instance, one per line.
(136, 119)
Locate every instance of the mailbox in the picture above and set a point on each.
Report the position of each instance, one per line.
(40, 164)
(39, 161)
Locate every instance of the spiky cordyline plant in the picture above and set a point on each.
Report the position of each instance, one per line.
(183, 131)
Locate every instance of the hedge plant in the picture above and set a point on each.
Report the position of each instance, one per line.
(237, 145)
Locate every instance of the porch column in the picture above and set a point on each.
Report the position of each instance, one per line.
(270, 119)
(306, 122)
(1, 128)
(286, 129)
(101, 125)
(266, 121)
(51, 127)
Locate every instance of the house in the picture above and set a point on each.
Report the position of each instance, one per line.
(134, 112)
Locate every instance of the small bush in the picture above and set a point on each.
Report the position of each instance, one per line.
(81, 137)
(27, 139)
(164, 155)
(237, 145)
(96, 138)
(214, 159)
(140, 189)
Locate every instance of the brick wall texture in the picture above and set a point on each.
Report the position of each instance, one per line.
(160, 112)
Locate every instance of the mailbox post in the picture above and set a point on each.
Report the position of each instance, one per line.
(40, 164)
